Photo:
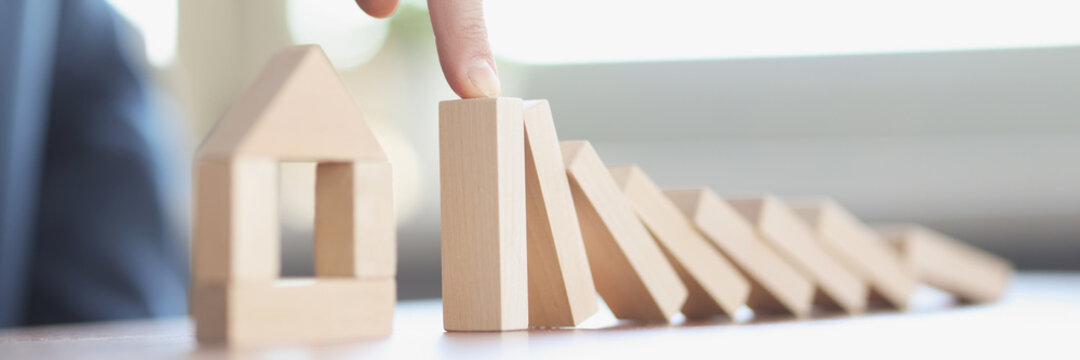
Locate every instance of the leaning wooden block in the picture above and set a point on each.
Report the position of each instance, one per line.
(354, 220)
(940, 261)
(859, 248)
(776, 285)
(789, 236)
(715, 286)
(629, 268)
(301, 311)
(561, 290)
(482, 177)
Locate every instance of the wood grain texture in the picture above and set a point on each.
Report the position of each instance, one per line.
(788, 235)
(715, 286)
(940, 261)
(776, 285)
(561, 289)
(355, 230)
(858, 248)
(235, 234)
(296, 109)
(628, 267)
(293, 311)
(482, 179)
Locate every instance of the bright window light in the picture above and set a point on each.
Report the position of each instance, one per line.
(348, 35)
(575, 31)
(157, 21)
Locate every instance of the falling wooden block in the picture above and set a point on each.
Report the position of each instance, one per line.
(788, 235)
(297, 109)
(482, 177)
(776, 285)
(628, 267)
(859, 248)
(293, 311)
(561, 289)
(715, 286)
(940, 261)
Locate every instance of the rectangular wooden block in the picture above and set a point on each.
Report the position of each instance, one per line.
(859, 248)
(629, 268)
(235, 230)
(482, 180)
(715, 286)
(788, 235)
(355, 231)
(943, 262)
(293, 311)
(776, 285)
(561, 289)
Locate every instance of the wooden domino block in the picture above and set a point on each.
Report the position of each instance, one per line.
(715, 286)
(776, 285)
(297, 109)
(859, 248)
(788, 235)
(940, 261)
(482, 177)
(628, 267)
(561, 289)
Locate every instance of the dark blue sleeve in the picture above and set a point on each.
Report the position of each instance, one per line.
(104, 245)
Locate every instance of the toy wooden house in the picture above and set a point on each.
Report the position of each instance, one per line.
(297, 109)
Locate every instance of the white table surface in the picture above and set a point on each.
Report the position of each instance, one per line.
(1038, 319)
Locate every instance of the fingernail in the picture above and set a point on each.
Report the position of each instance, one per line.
(483, 78)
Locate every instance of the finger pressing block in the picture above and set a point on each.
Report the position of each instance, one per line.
(859, 248)
(943, 262)
(715, 286)
(561, 289)
(786, 233)
(629, 269)
(776, 285)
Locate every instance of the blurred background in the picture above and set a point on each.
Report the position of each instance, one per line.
(961, 115)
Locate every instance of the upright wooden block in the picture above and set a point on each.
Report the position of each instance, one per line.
(297, 109)
(859, 248)
(715, 286)
(561, 289)
(776, 285)
(482, 160)
(354, 220)
(788, 235)
(235, 231)
(629, 268)
(940, 261)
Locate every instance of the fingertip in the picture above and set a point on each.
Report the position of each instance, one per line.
(378, 8)
(481, 80)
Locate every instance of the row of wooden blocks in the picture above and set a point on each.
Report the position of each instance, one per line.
(533, 228)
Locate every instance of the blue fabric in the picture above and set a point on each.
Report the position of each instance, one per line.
(84, 228)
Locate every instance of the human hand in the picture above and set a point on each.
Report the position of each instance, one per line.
(461, 40)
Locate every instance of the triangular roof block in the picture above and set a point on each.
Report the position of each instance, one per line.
(297, 109)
